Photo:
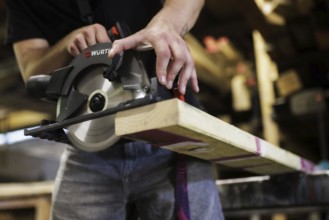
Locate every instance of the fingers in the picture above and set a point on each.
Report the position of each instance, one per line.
(163, 53)
(80, 42)
(127, 43)
(182, 66)
(173, 57)
(178, 61)
(73, 50)
(100, 34)
(188, 73)
(85, 37)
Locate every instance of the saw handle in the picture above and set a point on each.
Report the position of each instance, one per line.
(118, 31)
(112, 72)
(121, 30)
(37, 85)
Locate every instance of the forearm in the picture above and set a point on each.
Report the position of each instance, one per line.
(182, 14)
(36, 57)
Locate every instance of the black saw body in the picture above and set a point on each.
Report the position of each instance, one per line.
(88, 92)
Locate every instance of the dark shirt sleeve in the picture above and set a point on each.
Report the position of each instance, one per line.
(20, 22)
(54, 19)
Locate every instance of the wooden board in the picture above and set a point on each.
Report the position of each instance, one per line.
(177, 126)
(33, 195)
(13, 190)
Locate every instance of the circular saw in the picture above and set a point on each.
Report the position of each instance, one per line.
(89, 91)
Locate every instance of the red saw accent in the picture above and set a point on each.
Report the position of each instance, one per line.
(115, 31)
(178, 95)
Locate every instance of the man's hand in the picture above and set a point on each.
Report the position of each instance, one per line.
(84, 37)
(173, 56)
(164, 33)
(35, 56)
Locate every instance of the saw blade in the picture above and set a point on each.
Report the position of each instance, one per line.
(98, 134)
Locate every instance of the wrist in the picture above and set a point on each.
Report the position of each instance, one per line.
(181, 14)
(166, 23)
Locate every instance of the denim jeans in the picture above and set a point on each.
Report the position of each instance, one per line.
(130, 180)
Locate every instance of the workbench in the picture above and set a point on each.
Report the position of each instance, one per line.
(15, 197)
(293, 194)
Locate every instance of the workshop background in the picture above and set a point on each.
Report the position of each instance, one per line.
(262, 66)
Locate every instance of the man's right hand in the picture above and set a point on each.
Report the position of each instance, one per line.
(35, 56)
(86, 36)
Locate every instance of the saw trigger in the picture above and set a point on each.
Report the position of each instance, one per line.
(112, 73)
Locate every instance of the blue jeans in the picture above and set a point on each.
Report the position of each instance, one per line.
(127, 180)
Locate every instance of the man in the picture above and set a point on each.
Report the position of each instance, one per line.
(46, 35)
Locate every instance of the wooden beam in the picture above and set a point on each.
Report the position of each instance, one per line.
(268, 9)
(35, 196)
(177, 126)
(13, 120)
(267, 73)
(13, 190)
(255, 17)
